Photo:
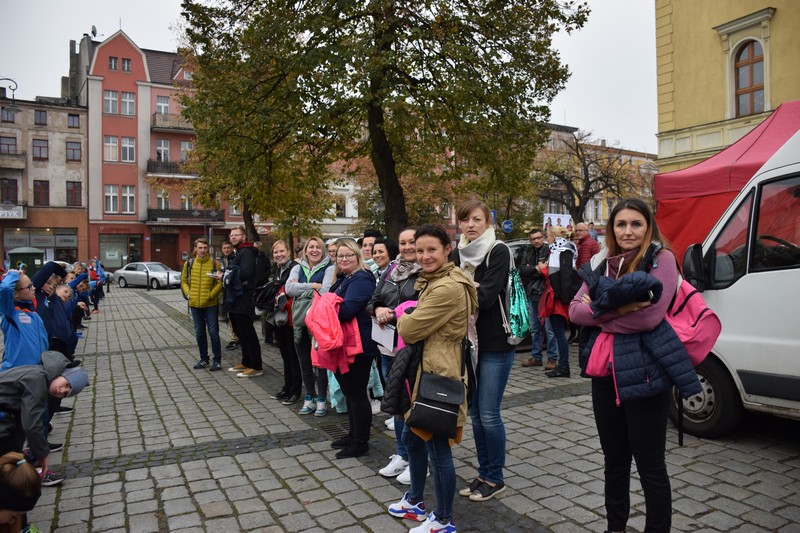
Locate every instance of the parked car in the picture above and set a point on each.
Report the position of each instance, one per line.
(142, 273)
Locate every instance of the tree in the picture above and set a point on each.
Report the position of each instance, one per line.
(405, 83)
(579, 170)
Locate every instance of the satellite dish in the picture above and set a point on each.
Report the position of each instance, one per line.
(94, 31)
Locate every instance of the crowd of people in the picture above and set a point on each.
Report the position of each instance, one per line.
(42, 324)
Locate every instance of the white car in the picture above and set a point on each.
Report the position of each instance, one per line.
(144, 273)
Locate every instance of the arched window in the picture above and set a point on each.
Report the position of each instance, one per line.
(749, 77)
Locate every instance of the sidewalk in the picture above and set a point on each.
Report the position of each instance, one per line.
(156, 446)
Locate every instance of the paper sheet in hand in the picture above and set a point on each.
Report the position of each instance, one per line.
(383, 335)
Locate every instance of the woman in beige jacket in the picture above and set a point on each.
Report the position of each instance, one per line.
(447, 299)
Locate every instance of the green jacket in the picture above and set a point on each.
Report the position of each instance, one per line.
(447, 298)
(201, 289)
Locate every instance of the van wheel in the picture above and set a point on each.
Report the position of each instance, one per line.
(715, 411)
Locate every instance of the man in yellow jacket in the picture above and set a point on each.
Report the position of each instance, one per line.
(202, 288)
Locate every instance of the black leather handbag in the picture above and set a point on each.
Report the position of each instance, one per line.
(436, 406)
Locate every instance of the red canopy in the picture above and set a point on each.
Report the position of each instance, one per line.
(691, 200)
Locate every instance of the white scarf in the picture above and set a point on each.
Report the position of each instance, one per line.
(561, 244)
(472, 253)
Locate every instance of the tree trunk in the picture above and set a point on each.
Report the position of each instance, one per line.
(249, 225)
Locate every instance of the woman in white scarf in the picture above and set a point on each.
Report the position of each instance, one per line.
(563, 253)
(486, 261)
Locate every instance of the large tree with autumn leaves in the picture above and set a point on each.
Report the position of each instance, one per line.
(441, 90)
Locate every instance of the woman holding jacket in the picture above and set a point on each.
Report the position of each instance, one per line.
(355, 284)
(314, 272)
(487, 262)
(632, 378)
(447, 298)
(395, 287)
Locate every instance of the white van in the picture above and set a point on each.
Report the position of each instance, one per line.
(749, 270)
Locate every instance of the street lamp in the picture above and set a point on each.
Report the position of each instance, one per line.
(13, 108)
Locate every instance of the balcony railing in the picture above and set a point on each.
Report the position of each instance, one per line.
(166, 167)
(201, 216)
(12, 158)
(166, 121)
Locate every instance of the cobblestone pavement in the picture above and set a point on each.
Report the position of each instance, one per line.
(156, 446)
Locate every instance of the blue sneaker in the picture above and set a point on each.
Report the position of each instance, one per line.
(432, 525)
(308, 406)
(404, 509)
(322, 408)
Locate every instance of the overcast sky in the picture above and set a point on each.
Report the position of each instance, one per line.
(612, 92)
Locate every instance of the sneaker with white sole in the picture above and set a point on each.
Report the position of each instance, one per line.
(309, 406)
(322, 408)
(395, 467)
(390, 423)
(376, 406)
(405, 477)
(405, 509)
(250, 373)
(487, 492)
(51, 479)
(432, 524)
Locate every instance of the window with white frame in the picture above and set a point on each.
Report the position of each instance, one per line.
(234, 209)
(162, 199)
(128, 199)
(110, 148)
(126, 64)
(186, 201)
(186, 148)
(162, 150)
(110, 102)
(112, 63)
(129, 149)
(111, 199)
(128, 104)
(162, 105)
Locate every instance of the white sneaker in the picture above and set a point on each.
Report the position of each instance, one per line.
(309, 406)
(376, 406)
(405, 477)
(396, 466)
(390, 423)
(432, 524)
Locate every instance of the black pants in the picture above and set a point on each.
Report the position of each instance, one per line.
(637, 429)
(354, 387)
(315, 380)
(284, 337)
(248, 340)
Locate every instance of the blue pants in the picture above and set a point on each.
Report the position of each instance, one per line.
(487, 426)
(536, 333)
(442, 470)
(560, 332)
(206, 318)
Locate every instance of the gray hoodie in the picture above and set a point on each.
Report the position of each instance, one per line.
(23, 401)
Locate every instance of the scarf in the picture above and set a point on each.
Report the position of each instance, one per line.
(404, 269)
(560, 245)
(472, 253)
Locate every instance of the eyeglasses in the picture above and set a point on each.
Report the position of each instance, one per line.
(23, 288)
(346, 256)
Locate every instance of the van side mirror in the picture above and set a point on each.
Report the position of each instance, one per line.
(693, 269)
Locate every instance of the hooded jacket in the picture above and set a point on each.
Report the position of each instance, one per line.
(447, 298)
(23, 401)
(245, 264)
(24, 334)
(201, 289)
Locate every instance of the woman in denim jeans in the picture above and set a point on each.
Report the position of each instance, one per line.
(447, 298)
(487, 261)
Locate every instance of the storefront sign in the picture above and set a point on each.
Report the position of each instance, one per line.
(15, 239)
(11, 211)
(43, 240)
(66, 241)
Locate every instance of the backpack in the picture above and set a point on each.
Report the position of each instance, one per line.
(696, 324)
(262, 269)
(514, 309)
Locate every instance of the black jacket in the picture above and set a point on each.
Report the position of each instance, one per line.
(404, 367)
(390, 294)
(531, 278)
(493, 282)
(245, 261)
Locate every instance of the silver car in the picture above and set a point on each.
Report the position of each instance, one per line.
(142, 273)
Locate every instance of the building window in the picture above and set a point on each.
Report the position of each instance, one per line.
(110, 102)
(186, 201)
(187, 75)
(40, 152)
(110, 148)
(340, 205)
(235, 209)
(186, 149)
(749, 79)
(40, 117)
(126, 64)
(8, 190)
(162, 105)
(73, 120)
(112, 63)
(162, 199)
(111, 199)
(7, 115)
(128, 106)
(74, 194)
(128, 199)
(8, 145)
(162, 150)
(41, 192)
(73, 151)
(129, 149)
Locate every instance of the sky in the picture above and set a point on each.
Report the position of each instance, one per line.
(611, 93)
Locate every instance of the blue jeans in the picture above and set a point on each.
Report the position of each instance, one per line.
(442, 469)
(399, 421)
(536, 333)
(206, 318)
(560, 331)
(487, 426)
